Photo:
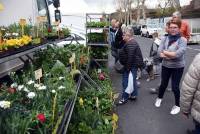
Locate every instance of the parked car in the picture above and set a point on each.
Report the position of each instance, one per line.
(73, 38)
(149, 30)
(137, 29)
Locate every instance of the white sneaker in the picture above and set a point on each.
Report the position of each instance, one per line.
(175, 110)
(158, 102)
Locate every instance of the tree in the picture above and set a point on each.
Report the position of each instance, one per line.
(140, 6)
(165, 8)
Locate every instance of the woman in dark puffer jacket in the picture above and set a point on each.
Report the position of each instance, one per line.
(131, 58)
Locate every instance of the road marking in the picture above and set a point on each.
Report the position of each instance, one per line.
(193, 49)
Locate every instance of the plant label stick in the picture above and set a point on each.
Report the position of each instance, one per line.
(22, 22)
(38, 74)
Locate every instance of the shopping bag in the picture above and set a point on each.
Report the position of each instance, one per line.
(130, 87)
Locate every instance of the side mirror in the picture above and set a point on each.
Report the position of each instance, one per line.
(57, 15)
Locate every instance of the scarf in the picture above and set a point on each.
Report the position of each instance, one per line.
(173, 38)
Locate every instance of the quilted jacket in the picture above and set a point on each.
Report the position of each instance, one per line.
(190, 91)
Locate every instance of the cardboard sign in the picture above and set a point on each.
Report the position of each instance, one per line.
(22, 22)
(38, 74)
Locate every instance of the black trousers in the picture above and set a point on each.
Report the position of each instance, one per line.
(175, 74)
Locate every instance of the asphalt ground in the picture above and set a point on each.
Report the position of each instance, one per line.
(141, 116)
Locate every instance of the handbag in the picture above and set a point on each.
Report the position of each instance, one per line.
(119, 67)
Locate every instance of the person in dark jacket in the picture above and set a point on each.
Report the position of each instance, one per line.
(131, 59)
(119, 42)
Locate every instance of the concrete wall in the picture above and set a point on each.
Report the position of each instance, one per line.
(16, 9)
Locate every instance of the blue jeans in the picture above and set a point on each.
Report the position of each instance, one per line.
(197, 127)
(125, 75)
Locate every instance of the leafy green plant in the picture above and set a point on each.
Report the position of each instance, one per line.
(100, 24)
(93, 110)
(99, 52)
(96, 38)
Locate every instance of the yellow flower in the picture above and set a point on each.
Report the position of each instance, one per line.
(114, 122)
(115, 117)
(11, 42)
(81, 101)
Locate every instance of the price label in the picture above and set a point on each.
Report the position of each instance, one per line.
(71, 60)
(22, 22)
(73, 55)
(38, 74)
(41, 19)
(38, 19)
(56, 23)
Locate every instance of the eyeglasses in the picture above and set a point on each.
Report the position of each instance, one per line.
(173, 27)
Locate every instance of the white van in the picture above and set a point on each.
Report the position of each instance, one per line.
(149, 30)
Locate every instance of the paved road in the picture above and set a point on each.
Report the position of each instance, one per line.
(141, 117)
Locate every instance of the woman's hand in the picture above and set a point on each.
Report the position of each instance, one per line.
(169, 54)
(162, 55)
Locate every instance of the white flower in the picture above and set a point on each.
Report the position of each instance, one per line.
(31, 95)
(53, 91)
(61, 87)
(5, 104)
(26, 90)
(20, 87)
(60, 78)
(36, 85)
(14, 85)
(30, 82)
(42, 88)
(15, 34)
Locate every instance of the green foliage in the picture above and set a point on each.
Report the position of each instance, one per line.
(97, 24)
(48, 57)
(21, 117)
(91, 118)
(96, 38)
(164, 12)
(99, 52)
(16, 28)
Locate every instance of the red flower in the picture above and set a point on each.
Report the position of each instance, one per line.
(101, 76)
(11, 90)
(49, 30)
(41, 118)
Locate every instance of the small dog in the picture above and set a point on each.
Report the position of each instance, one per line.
(148, 67)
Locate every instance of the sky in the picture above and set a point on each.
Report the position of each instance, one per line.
(108, 6)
